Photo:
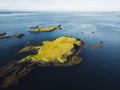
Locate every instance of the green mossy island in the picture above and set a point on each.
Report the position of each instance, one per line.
(61, 52)
(58, 49)
(45, 29)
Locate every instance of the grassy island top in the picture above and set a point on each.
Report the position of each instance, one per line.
(46, 29)
(58, 49)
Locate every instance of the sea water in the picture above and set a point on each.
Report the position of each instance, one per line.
(100, 68)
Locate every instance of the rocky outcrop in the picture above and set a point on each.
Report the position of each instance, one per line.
(3, 34)
(19, 35)
(34, 27)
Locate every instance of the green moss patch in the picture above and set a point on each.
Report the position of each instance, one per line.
(58, 49)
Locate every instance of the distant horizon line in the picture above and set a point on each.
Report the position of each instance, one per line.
(54, 10)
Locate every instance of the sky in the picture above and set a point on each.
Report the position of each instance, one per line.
(61, 5)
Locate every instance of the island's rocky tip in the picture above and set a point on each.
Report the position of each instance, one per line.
(44, 29)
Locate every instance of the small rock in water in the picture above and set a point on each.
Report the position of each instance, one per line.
(29, 43)
(34, 27)
(92, 32)
(3, 34)
(20, 35)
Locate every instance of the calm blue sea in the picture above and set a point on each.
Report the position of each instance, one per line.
(100, 69)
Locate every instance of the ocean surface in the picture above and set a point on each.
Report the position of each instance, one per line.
(100, 68)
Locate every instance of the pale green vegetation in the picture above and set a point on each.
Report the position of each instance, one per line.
(44, 29)
(30, 48)
(58, 49)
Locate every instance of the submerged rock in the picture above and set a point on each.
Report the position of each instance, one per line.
(60, 52)
(30, 43)
(100, 44)
(5, 37)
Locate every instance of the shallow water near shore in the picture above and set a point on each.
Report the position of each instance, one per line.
(100, 67)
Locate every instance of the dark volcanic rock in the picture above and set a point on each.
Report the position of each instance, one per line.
(34, 27)
(3, 34)
(5, 38)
